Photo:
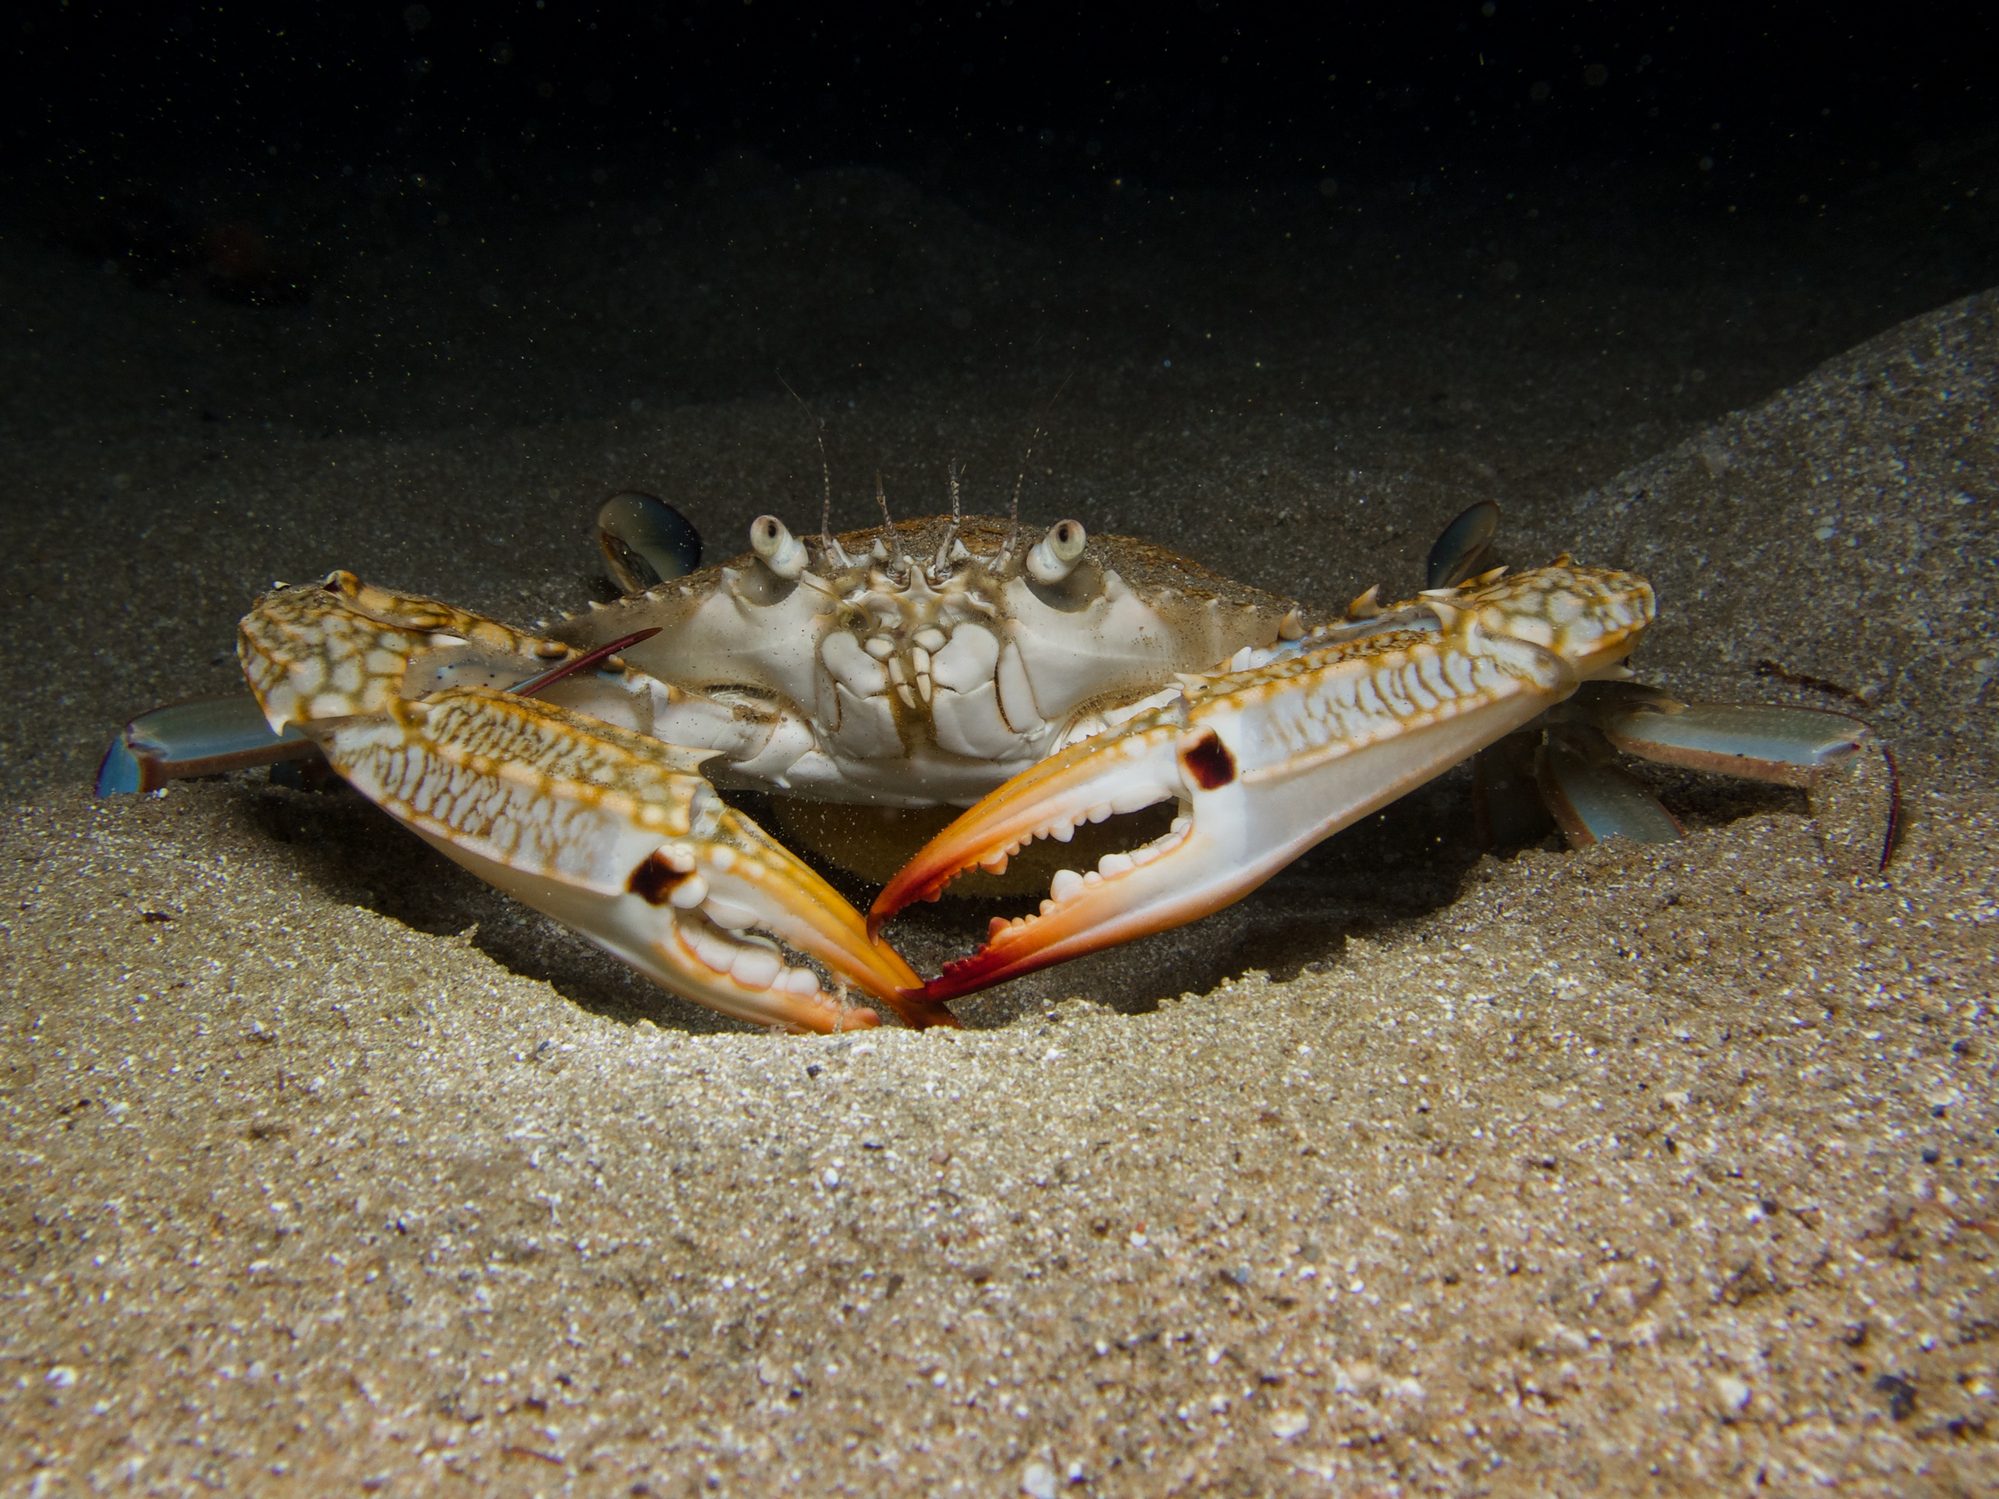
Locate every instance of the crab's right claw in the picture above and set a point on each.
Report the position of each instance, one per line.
(1265, 763)
(589, 824)
(613, 832)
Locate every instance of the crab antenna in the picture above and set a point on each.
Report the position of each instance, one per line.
(940, 565)
(1013, 514)
(834, 550)
(833, 547)
(888, 525)
(1020, 479)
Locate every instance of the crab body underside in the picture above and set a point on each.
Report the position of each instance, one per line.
(1043, 683)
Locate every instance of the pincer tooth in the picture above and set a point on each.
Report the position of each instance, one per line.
(755, 967)
(794, 903)
(1133, 766)
(731, 914)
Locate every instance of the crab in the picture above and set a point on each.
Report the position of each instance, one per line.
(1041, 682)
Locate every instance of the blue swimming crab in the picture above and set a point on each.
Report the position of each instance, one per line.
(1042, 681)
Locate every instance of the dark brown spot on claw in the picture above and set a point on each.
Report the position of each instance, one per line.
(654, 880)
(1208, 761)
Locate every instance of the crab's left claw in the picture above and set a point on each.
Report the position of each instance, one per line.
(1264, 763)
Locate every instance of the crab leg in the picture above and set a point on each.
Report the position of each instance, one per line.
(1754, 741)
(644, 540)
(611, 831)
(1592, 799)
(211, 736)
(204, 737)
(1265, 763)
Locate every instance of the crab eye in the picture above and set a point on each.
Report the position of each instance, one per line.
(1055, 556)
(776, 547)
(645, 541)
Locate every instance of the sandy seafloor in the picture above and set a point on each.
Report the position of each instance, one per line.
(326, 1170)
